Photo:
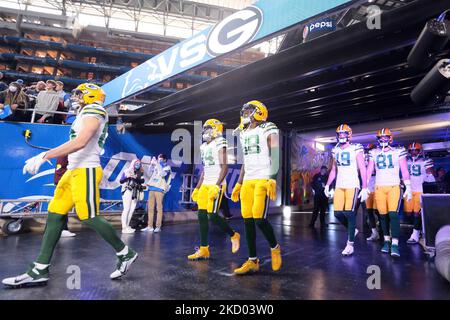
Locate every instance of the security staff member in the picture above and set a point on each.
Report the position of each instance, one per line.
(320, 200)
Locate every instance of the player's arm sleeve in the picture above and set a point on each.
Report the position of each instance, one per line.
(270, 128)
(222, 143)
(402, 153)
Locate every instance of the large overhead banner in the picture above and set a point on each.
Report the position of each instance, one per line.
(254, 23)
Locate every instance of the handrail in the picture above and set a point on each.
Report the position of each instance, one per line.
(31, 204)
(71, 113)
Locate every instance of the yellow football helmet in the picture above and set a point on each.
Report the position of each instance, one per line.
(384, 137)
(212, 128)
(257, 110)
(90, 93)
(344, 129)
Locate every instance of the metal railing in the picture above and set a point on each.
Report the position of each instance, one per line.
(34, 111)
(28, 208)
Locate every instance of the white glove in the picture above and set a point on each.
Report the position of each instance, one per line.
(326, 190)
(33, 164)
(364, 194)
(408, 191)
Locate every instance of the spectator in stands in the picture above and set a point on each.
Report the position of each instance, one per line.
(61, 168)
(72, 106)
(15, 98)
(33, 91)
(3, 86)
(159, 183)
(63, 97)
(47, 100)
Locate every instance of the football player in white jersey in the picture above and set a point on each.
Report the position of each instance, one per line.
(389, 162)
(348, 158)
(419, 169)
(79, 187)
(211, 187)
(257, 181)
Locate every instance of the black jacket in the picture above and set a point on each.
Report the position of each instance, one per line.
(318, 184)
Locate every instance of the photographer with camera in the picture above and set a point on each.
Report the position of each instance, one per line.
(132, 192)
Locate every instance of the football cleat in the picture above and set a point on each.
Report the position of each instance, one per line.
(386, 247)
(395, 251)
(276, 258)
(67, 234)
(374, 236)
(349, 249)
(35, 276)
(249, 266)
(235, 242)
(124, 263)
(201, 253)
(414, 239)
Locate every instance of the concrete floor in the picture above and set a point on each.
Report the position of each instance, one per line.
(313, 267)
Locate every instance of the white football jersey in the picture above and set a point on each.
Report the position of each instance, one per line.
(387, 165)
(347, 176)
(89, 156)
(418, 173)
(256, 151)
(210, 158)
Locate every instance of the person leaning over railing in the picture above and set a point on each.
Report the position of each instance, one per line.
(47, 100)
(15, 98)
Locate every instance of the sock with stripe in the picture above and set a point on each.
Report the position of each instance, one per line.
(204, 227)
(106, 231)
(221, 223)
(341, 218)
(384, 224)
(351, 218)
(250, 235)
(266, 228)
(395, 224)
(417, 221)
(53, 229)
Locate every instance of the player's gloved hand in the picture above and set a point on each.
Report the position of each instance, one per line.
(331, 193)
(364, 194)
(195, 195)
(271, 187)
(213, 192)
(408, 191)
(326, 190)
(235, 193)
(33, 164)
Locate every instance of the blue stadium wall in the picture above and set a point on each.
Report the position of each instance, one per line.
(123, 147)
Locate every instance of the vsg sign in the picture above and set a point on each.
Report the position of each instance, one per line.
(230, 34)
(235, 31)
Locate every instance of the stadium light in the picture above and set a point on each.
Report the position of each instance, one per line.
(431, 41)
(434, 87)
